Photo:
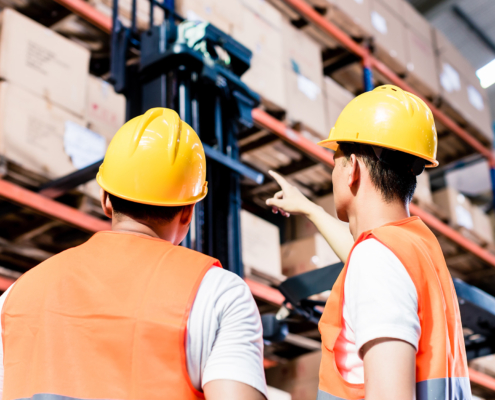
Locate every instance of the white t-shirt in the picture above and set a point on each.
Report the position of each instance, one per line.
(380, 300)
(224, 333)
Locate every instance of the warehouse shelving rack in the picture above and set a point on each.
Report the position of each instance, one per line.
(58, 211)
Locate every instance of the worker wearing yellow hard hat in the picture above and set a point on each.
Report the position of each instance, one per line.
(391, 328)
(130, 314)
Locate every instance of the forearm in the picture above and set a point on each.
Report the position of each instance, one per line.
(225, 389)
(334, 231)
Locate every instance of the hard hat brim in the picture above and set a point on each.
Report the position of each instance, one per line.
(333, 145)
(194, 200)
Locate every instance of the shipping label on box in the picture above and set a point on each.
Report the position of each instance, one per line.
(260, 245)
(43, 62)
(32, 132)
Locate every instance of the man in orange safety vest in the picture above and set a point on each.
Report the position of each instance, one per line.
(391, 328)
(130, 314)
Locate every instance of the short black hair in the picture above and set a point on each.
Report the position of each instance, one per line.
(395, 182)
(143, 212)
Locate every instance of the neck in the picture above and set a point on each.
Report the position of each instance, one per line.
(373, 213)
(125, 224)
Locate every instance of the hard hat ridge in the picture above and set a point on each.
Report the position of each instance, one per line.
(155, 159)
(390, 118)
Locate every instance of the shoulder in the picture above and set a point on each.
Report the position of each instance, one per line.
(223, 287)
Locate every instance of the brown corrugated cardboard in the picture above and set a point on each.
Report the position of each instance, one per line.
(261, 33)
(43, 62)
(421, 57)
(336, 98)
(389, 35)
(105, 111)
(32, 132)
(482, 225)
(303, 80)
(299, 377)
(260, 245)
(456, 206)
(352, 16)
(395, 6)
(423, 189)
(306, 254)
(225, 15)
(477, 111)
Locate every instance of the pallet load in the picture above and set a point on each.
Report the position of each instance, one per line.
(420, 53)
(43, 98)
(389, 34)
(336, 98)
(225, 15)
(422, 194)
(260, 247)
(303, 255)
(352, 16)
(463, 98)
(260, 30)
(304, 83)
(299, 377)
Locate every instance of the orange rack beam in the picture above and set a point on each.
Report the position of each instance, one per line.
(307, 11)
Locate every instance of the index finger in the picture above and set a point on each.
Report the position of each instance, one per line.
(280, 180)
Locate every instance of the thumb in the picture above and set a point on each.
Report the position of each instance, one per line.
(275, 202)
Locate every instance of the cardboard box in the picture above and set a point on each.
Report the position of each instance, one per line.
(456, 206)
(277, 394)
(477, 111)
(389, 35)
(304, 80)
(225, 15)
(422, 194)
(36, 134)
(298, 377)
(260, 31)
(307, 254)
(421, 57)
(482, 224)
(43, 62)
(105, 111)
(260, 245)
(336, 98)
(352, 16)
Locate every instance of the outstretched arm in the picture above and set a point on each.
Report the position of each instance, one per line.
(291, 201)
(224, 389)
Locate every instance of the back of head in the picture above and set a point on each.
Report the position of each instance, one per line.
(154, 166)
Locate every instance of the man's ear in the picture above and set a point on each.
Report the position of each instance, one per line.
(187, 214)
(354, 171)
(106, 204)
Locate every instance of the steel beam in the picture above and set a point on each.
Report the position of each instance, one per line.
(52, 208)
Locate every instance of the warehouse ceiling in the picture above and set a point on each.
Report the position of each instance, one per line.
(475, 46)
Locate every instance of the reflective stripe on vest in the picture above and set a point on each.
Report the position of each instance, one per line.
(441, 366)
(433, 389)
(104, 320)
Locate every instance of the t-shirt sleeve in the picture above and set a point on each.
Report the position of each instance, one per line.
(380, 296)
(225, 336)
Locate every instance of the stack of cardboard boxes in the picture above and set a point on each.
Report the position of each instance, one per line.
(470, 219)
(47, 99)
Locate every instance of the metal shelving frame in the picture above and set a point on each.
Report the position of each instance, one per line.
(69, 215)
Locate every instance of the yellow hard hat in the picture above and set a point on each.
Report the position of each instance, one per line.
(391, 118)
(155, 159)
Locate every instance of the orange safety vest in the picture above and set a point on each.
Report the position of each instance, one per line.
(104, 320)
(441, 367)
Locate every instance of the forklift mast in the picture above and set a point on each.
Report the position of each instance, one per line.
(195, 69)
